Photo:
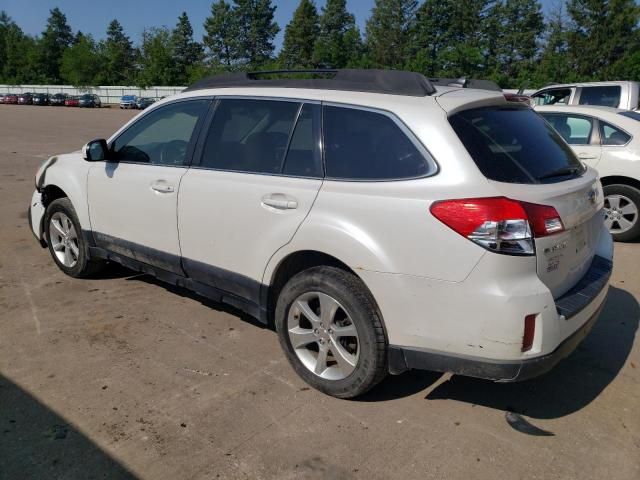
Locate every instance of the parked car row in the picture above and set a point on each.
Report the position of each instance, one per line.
(88, 100)
(134, 102)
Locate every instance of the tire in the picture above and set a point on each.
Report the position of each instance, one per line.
(70, 253)
(353, 307)
(622, 207)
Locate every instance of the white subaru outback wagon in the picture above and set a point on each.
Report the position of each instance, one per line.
(380, 223)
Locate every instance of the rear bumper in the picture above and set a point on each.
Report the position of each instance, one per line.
(582, 304)
(402, 359)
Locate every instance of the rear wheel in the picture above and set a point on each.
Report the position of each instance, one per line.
(331, 332)
(622, 210)
(67, 244)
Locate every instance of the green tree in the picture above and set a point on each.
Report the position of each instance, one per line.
(118, 56)
(464, 40)
(5, 23)
(602, 37)
(19, 54)
(155, 58)
(389, 31)
(81, 62)
(186, 52)
(428, 40)
(514, 30)
(553, 65)
(56, 38)
(300, 36)
(221, 37)
(338, 44)
(256, 31)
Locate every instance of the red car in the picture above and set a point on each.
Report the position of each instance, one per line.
(11, 99)
(72, 102)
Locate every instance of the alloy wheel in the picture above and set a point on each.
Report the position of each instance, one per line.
(621, 214)
(323, 336)
(64, 239)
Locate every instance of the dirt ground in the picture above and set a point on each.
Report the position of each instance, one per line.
(122, 377)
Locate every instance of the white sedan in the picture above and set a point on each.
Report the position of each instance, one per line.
(607, 139)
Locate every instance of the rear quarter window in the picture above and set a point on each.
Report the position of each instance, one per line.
(367, 145)
(606, 96)
(515, 145)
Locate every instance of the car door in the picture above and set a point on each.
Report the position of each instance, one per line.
(258, 172)
(580, 132)
(133, 195)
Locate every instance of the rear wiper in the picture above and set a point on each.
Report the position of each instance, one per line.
(560, 172)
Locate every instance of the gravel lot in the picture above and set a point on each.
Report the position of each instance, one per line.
(123, 377)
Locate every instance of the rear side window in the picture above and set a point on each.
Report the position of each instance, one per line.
(607, 96)
(304, 158)
(558, 96)
(250, 135)
(611, 135)
(574, 129)
(630, 114)
(366, 145)
(515, 145)
(264, 136)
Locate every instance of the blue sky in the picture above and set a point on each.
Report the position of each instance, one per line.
(92, 16)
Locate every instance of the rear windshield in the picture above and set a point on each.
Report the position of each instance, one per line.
(630, 114)
(515, 145)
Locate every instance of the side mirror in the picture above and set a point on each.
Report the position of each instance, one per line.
(95, 151)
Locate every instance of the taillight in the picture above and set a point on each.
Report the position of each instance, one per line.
(499, 224)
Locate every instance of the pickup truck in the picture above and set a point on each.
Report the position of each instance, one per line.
(624, 95)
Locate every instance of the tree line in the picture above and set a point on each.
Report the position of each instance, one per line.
(509, 41)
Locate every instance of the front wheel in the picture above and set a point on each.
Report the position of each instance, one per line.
(67, 244)
(331, 332)
(622, 208)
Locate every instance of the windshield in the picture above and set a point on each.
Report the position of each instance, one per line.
(515, 145)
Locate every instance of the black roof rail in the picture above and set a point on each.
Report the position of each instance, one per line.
(467, 83)
(393, 82)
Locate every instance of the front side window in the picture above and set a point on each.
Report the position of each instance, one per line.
(558, 96)
(606, 96)
(162, 136)
(575, 130)
(515, 145)
(611, 135)
(365, 145)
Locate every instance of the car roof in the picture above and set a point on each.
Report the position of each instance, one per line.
(588, 84)
(463, 97)
(393, 82)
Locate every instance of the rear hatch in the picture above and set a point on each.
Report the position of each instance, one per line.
(527, 161)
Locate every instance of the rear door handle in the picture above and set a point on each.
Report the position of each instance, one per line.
(280, 201)
(162, 187)
(586, 156)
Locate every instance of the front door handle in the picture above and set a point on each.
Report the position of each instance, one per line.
(280, 201)
(162, 187)
(586, 156)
